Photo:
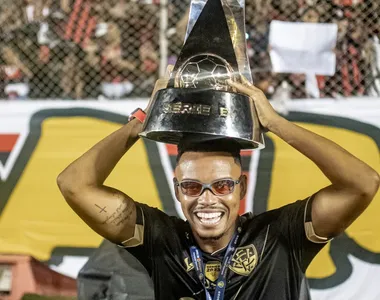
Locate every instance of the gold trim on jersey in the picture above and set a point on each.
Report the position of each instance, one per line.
(188, 264)
(138, 237)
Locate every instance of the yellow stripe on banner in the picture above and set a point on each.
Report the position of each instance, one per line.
(36, 218)
(295, 177)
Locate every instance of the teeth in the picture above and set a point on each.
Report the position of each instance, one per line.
(209, 218)
(210, 221)
(208, 215)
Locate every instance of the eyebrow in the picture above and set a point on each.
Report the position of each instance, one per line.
(217, 179)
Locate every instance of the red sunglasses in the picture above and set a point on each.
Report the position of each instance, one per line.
(219, 187)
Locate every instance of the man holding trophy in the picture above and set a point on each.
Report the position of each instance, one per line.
(209, 108)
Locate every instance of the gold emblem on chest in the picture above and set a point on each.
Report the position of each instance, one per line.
(244, 260)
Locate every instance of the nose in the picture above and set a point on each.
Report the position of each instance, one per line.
(207, 198)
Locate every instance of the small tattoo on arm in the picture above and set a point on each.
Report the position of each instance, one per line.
(101, 209)
(121, 215)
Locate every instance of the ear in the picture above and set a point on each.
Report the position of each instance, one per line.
(176, 188)
(243, 186)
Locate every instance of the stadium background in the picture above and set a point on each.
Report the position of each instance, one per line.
(93, 49)
(72, 70)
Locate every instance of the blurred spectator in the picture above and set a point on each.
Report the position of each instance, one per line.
(80, 78)
(64, 5)
(310, 15)
(35, 10)
(14, 75)
(10, 16)
(114, 69)
(14, 14)
(257, 47)
(136, 26)
(81, 22)
(348, 79)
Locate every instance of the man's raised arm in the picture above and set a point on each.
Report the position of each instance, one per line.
(109, 212)
(353, 183)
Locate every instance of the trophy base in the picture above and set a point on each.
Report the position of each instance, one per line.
(174, 138)
(206, 114)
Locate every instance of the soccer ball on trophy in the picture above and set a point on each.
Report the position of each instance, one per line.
(205, 71)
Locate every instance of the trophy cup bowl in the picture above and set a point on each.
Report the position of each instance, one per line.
(198, 100)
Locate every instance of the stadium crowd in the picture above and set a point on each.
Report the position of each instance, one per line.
(109, 49)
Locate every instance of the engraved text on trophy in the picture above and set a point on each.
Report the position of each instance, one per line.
(192, 109)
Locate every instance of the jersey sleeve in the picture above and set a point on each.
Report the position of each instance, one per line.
(152, 225)
(295, 223)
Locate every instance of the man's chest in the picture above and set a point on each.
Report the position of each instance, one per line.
(252, 252)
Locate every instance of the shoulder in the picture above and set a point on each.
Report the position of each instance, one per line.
(264, 218)
(277, 217)
(154, 225)
(286, 211)
(256, 226)
(156, 215)
(157, 222)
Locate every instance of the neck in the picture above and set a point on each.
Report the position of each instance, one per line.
(212, 245)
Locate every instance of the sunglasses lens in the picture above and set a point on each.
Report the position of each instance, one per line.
(223, 187)
(191, 188)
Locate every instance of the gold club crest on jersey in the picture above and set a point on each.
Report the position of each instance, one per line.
(244, 260)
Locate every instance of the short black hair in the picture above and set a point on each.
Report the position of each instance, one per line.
(206, 144)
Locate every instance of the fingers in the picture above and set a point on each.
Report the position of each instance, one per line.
(244, 80)
(160, 84)
(245, 87)
(163, 82)
(169, 70)
(240, 87)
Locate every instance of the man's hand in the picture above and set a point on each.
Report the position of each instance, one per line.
(265, 112)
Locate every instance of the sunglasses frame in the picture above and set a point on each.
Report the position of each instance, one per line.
(207, 186)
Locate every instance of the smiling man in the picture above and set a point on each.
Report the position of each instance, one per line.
(217, 254)
(210, 200)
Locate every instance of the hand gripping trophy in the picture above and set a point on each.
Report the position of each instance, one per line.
(198, 102)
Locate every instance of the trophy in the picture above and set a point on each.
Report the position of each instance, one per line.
(198, 101)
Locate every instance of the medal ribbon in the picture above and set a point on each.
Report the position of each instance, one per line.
(196, 257)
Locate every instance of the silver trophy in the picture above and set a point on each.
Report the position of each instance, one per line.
(198, 101)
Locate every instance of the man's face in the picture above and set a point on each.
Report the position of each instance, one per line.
(209, 215)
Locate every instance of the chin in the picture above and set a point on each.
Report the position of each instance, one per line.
(208, 231)
(213, 237)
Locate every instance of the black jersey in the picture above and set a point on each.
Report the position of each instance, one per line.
(269, 262)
